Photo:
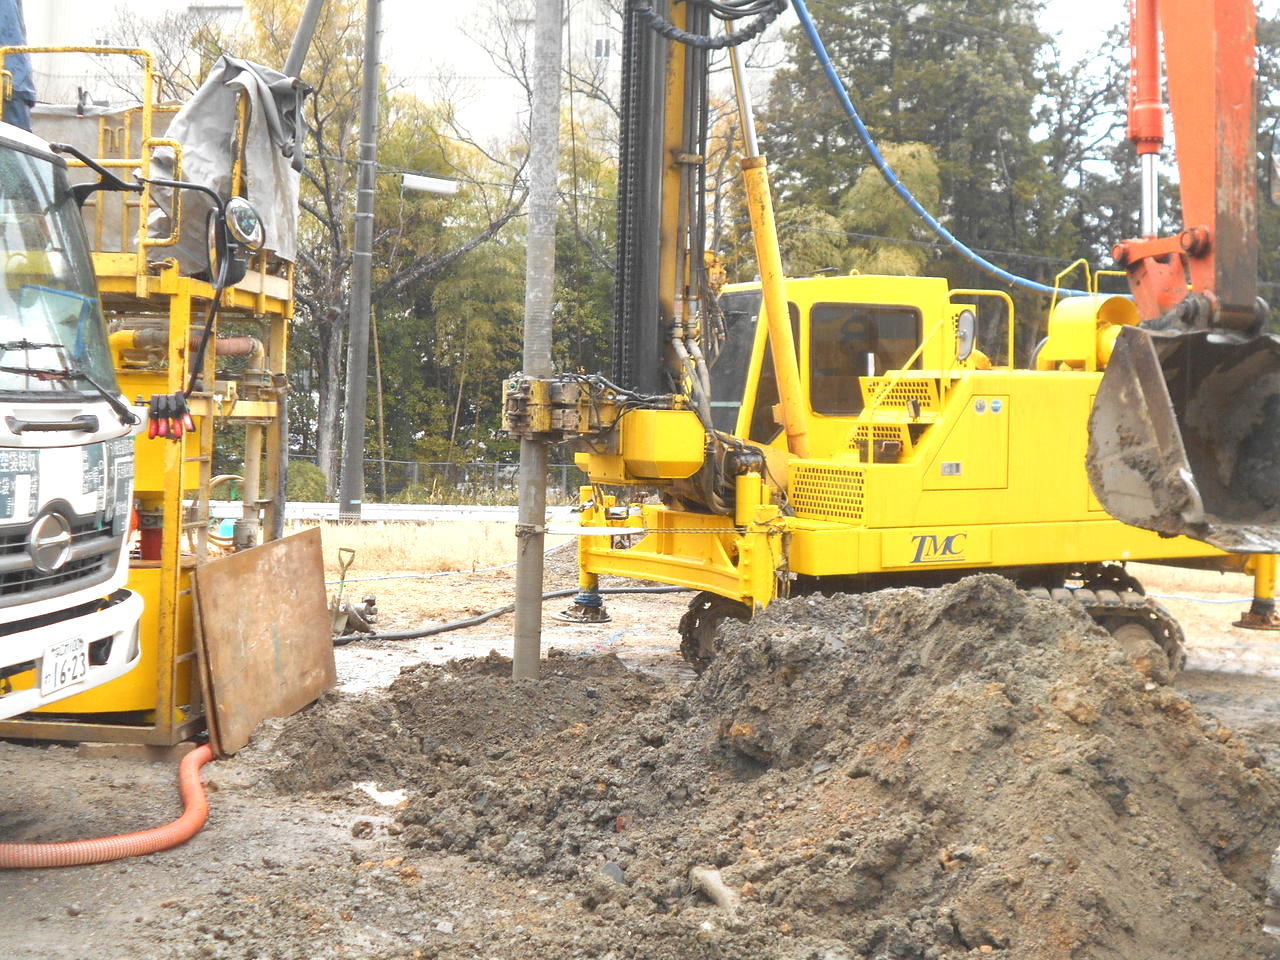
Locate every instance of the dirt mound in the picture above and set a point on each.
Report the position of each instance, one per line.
(435, 718)
(908, 775)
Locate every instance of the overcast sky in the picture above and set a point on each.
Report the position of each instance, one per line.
(424, 42)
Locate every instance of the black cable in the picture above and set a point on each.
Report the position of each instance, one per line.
(767, 10)
(197, 364)
(343, 640)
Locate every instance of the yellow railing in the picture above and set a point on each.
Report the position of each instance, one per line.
(107, 142)
(1099, 274)
(1057, 281)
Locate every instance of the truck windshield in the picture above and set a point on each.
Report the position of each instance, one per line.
(52, 336)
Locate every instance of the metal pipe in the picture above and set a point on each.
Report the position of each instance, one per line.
(782, 347)
(1150, 223)
(744, 103)
(1146, 107)
(351, 488)
(540, 268)
(1264, 584)
(246, 531)
(153, 338)
(302, 38)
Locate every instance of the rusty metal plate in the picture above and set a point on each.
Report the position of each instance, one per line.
(264, 636)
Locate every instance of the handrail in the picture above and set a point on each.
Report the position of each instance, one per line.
(1099, 274)
(1057, 280)
(143, 161)
(175, 218)
(999, 294)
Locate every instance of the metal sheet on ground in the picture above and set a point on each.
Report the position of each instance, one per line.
(264, 636)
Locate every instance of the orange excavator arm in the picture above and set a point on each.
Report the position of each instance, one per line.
(1210, 67)
(1184, 437)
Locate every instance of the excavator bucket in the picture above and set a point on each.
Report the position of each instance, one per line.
(1184, 437)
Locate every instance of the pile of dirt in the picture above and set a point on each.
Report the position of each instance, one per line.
(435, 718)
(918, 774)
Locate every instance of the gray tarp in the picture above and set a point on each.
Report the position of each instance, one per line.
(205, 126)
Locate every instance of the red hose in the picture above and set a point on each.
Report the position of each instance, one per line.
(76, 853)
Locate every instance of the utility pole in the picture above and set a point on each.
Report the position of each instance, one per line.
(351, 488)
(302, 38)
(540, 270)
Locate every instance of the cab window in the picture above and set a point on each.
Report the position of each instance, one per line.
(739, 310)
(764, 425)
(852, 340)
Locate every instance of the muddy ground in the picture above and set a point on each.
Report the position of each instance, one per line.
(984, 785)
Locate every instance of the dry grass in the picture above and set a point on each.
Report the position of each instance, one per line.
(429, 546)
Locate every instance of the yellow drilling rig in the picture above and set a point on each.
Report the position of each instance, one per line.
(847, 433)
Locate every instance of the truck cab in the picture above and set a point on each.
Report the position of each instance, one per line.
(67, 622)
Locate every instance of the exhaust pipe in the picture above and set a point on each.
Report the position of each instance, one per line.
(1184, 436)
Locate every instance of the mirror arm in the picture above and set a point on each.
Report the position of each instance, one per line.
(106, 179)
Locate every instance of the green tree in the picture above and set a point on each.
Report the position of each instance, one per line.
(412, 249)
(964, 79)
(885, 233)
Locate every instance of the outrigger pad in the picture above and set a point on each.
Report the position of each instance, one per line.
(1184, 437)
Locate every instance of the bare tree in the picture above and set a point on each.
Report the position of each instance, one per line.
(321, 289)
(183, 43)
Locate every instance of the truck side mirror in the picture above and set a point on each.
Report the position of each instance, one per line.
(966, 334)
(233, 228)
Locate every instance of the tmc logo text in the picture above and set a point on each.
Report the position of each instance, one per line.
(931, 548)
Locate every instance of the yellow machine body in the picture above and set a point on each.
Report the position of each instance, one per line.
(927, 465)
(662, 444)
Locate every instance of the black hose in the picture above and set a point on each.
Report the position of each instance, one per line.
(768, 12)
(343, 640)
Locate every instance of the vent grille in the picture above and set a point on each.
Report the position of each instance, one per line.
(887, 393)
(94, 547)
(867, 438)
(827, 493)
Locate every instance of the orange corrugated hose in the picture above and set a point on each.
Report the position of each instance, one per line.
(76, 853)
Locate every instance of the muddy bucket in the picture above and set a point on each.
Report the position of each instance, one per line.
(1184, 437)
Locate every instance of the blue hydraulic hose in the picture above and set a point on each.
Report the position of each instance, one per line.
(892, 178)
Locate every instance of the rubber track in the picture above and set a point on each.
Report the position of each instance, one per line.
(1106, 606)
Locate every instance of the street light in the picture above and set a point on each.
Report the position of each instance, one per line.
(424, 184)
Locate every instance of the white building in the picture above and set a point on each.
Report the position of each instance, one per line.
(71, 77)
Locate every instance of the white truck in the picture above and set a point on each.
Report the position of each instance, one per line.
(67, 621)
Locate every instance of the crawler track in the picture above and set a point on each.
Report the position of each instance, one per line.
(1115, 609)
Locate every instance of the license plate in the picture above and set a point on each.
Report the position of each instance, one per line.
(64, 664)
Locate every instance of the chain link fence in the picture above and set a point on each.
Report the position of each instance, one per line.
(418, 481)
